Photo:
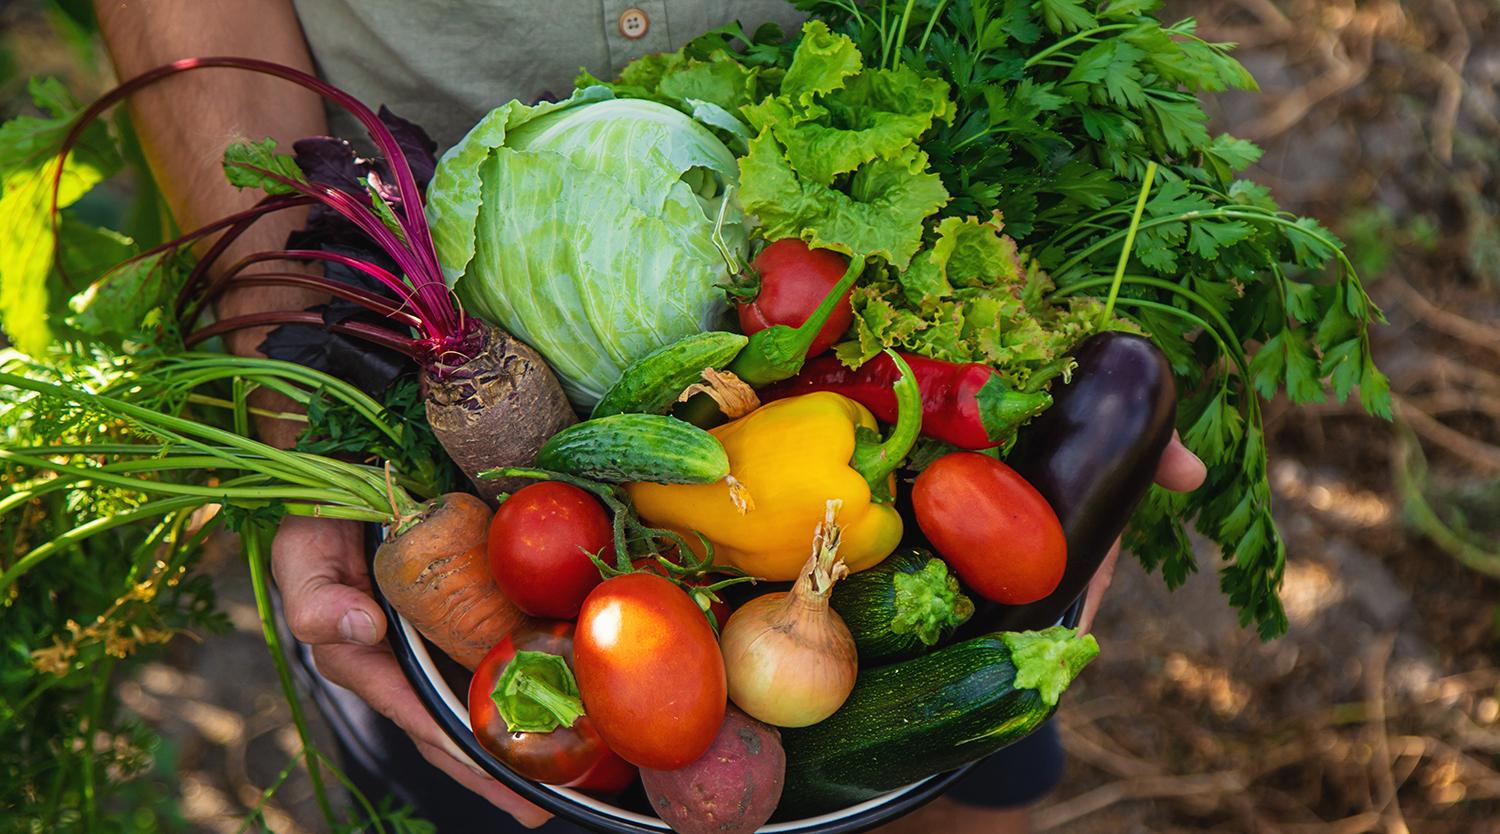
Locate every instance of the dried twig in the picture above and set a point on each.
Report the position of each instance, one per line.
(1389, 804)
(1476, 453)
(1464, 329)
(1155, 787)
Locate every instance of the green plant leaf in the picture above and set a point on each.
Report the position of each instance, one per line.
(881, 215)
(258, 165)
(1065, 15)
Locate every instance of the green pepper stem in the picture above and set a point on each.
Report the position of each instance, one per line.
(808, 331)
(537, 693)
(876, 461)
(778, 352)
(564, 707)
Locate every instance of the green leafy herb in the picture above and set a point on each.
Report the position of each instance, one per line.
(1060, 106)
(333, 428)
(258, 165)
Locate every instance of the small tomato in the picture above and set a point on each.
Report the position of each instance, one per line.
(539, 543)
(794, 280)
(992, 527)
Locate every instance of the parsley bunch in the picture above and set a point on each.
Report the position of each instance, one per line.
(1061, 104)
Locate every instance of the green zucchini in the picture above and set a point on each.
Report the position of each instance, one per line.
(636, 447)
(902, 606)
(651, 384)
(931, 714)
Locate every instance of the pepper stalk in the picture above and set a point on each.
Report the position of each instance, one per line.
(537, 693)
(778, 352)
(876, 459)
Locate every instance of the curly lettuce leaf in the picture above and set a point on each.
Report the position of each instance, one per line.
(970, 297)
(821, 64)
(828, 146)
(881, 215)
(878, 115)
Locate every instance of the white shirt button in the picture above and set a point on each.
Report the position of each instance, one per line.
(634, 24)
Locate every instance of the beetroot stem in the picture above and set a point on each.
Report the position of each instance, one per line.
(238, 223)
(364, 217)
(410, 218)
(379, 273)
(371, 333)
(374, 303)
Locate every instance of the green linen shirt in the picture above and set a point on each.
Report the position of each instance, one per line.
(445, 63)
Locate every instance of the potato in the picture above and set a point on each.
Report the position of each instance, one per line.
(731, 789)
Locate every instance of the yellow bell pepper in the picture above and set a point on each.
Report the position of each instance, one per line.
(791, 457)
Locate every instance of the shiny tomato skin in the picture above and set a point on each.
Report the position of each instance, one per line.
(537, 541)
(719, 608)
(992, 527)
(574, 757)
(649, 671)
(793, 280)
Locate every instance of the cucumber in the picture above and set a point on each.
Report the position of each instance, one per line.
(902, 606)
(636, 447)
(651, 384)
(934, 713)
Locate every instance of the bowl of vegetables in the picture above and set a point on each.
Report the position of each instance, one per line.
(584, 782)
(801, 386)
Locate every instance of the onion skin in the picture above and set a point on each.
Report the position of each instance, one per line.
(788, 663)
(788, 656)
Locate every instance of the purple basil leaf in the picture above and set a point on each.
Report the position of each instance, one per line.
(418, 148)
(331, 161)
(371, 369)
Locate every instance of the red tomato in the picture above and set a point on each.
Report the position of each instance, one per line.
(719, 608)
(574, 756)
(793, 280)
(650, 671)
(537, 544)
(995, 530)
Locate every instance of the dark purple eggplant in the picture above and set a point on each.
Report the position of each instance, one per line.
(1092, 455)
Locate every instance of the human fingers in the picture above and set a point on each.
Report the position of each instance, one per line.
(1179, 469)
(325, 586)
(1097, 586)
(371, 673)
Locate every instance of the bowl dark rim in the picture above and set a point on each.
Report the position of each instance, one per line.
(882, 809)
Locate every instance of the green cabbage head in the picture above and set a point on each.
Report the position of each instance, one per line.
(585, 228)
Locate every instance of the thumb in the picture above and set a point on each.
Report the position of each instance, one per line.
(320, 569)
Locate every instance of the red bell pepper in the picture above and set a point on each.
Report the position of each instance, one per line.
(966, 404)
(525, 709)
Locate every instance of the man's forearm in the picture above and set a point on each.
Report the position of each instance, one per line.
(186, 121)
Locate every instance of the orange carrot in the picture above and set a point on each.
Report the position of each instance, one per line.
(435, 572)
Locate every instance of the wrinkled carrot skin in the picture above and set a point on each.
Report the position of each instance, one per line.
(436, 574)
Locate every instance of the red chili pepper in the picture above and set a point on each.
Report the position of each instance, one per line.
(967, 404)
(524, 708)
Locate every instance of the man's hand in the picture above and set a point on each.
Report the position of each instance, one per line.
(320, 568)
(1178, 470)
